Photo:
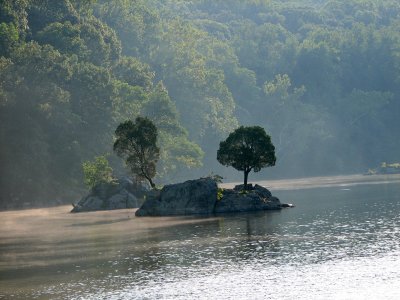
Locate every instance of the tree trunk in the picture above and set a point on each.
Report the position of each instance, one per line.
(246, 175)
(153, 186)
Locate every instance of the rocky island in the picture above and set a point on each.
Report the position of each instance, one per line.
(202, 196)
(193, 197)
(122, 193)
(246, 149)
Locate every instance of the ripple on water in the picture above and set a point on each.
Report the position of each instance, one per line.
(361, 278)
(348, 248)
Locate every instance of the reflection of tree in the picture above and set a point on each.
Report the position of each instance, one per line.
(249, 235)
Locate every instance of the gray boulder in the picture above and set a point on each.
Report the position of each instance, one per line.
(240, 187)
(123, 199)
(262, 191)
(200, 197)
(88, 203)
(187, 198)
(107, 196)
(253, 199)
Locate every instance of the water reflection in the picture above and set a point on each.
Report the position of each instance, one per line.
(332, 237)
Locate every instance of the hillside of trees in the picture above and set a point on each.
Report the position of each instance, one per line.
(322, 77)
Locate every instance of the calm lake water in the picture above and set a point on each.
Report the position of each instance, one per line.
(342, 241)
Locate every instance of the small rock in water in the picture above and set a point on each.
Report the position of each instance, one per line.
(287, 205)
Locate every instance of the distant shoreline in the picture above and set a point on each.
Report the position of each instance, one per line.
(322, 181)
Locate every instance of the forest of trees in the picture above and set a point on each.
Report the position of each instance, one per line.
(322, 77)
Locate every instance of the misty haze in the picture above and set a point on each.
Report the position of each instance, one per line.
(287, 113)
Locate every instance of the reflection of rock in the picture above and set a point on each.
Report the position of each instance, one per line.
(190, 197)
(106, 196)
(200, 197)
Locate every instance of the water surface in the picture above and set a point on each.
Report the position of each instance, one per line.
(342, 241)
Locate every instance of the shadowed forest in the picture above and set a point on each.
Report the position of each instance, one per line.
(322, 78)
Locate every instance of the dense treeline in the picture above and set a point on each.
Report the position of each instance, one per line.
(321, 76)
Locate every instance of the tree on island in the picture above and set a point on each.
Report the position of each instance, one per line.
(97, 171)
(246, 149)
(136, 143)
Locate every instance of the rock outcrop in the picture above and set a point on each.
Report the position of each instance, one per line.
(253, 199)
(107, 196)
(187, 198)
(200, 197)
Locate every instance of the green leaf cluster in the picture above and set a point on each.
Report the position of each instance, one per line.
(97, 171)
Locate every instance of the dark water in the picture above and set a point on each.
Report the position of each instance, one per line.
(338, 243)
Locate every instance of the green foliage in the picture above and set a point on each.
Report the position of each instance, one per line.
(97, 171)
(220, 194)
(136, 143)
(247, 149)
(162, 111)
(65, 37)
(92, 40)
(135, 22)
(134, 72)
(178, 153)
(9, 38)
(15, 12)
(392, 165)
(43, 12)
(201, 96)
(322, 76)
(217, 178)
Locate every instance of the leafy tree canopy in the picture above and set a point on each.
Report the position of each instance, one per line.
(137, 143)
(247, 149)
